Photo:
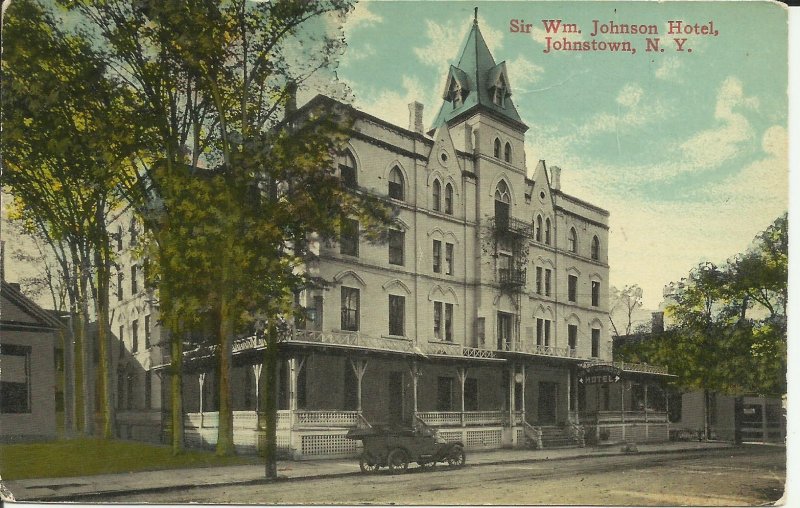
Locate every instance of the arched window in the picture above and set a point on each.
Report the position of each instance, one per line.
(499, 95)
(448, 199)
(119, 238)
(538, 228)
(508, 152)
(595, 248)
(496, 148)
(502, 204)
(347, 169)
(396, 184)
(437, 196)
(547, 231)
(572, 240)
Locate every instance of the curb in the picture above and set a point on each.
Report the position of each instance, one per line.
(264, 481)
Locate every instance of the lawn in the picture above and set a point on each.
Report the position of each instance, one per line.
(82, 457)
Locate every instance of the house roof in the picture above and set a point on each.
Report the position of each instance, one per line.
(478, 67)
(24, 313)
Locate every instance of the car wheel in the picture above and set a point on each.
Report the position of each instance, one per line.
(368, 464)
(457, 457)
(397, 461)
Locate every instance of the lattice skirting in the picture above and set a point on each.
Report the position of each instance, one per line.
(475, 439)
(634, 432)
(328, 444)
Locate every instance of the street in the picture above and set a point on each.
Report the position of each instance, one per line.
(753, 475)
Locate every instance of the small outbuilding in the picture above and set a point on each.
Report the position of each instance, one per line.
(28, 337)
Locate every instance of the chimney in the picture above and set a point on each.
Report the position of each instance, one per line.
(291, 98)
(415, 117)
(555, 177)
(657, 325)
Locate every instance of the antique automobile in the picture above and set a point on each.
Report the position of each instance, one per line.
(395, 447)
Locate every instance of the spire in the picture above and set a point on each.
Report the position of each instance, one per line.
(477, 82)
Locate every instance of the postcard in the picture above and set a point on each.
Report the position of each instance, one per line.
(395, 252)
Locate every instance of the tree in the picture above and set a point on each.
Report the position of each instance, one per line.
(65, 144)
(235, 186)
(729, 322)
(624, 303)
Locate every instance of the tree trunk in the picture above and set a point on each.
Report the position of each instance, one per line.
(224, 360)
(104, 353)
(86, 355)
(176, 387)
(270, 395)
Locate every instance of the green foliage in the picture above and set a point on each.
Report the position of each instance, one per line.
(235, 189)
(729, 332)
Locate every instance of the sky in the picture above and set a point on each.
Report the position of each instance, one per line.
(686, 150)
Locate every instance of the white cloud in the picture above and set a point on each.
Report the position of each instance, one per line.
(362, 53)
(522, 72)
(392, 105)
(668, 70)
(361, 16)
(711, 147)
(444, 41)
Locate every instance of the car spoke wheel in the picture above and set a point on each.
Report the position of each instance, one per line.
(457, 457)
(368, 464)
(397, 461)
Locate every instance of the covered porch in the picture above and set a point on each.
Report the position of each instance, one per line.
(623, 402)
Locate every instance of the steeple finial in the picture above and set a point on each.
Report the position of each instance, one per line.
(475, 22)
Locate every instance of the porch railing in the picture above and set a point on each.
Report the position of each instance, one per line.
(327, 418)
(356, 339)
(540, 349)
(455, 418)
(631, 367)
(629, 417)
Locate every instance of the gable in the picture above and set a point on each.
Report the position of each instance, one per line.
(442, 156)
(17, 309)
(11, 312)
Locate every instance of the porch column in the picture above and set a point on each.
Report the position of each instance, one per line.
(462, 378)
(524, 382)
(257, 373)
(622, 407)
(512, 384)
(414, 375)
(646, 425)
(569, 395)
(295, 364)
(359, 367)
(201, 380)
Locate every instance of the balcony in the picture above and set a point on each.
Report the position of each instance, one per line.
(542, 350)
(510, 226)
(511, 277)
(640, 368)
(456, 350)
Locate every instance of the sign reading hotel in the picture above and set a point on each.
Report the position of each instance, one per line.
(598, 374)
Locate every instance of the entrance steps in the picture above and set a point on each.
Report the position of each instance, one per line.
(554, 436)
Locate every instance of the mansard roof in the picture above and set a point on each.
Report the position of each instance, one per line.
(482, 74)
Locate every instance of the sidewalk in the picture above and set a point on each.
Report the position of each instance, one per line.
(85, 487)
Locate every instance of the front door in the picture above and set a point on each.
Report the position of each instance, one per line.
(547, 403)
(396, 397)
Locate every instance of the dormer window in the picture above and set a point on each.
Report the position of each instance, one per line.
(499, 92)
(455, 94)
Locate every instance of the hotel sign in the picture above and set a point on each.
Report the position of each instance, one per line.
(598, 374)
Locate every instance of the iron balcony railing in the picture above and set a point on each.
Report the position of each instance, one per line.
(511, 277)
(503, 226)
